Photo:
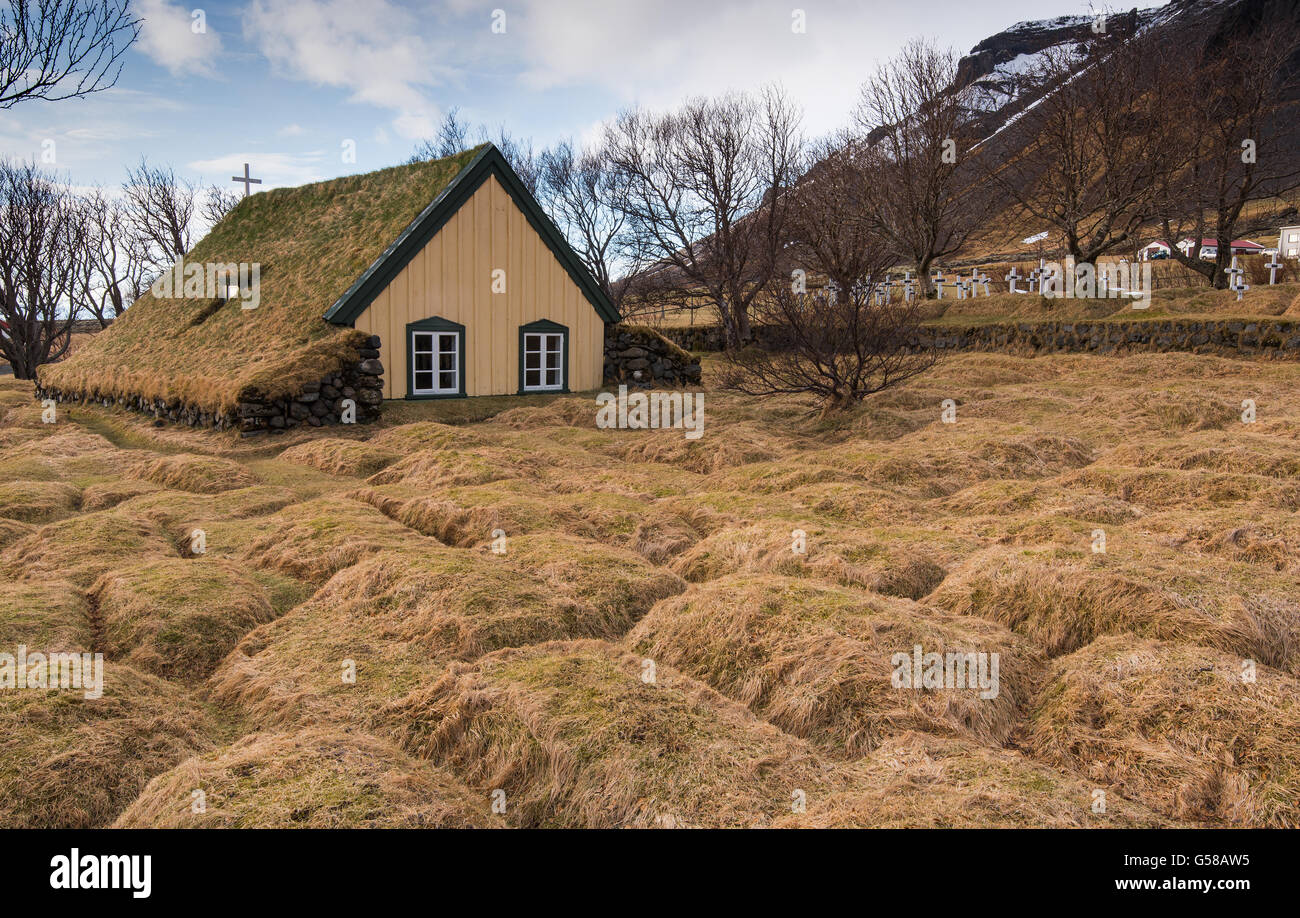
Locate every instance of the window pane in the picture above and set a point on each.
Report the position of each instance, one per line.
(553, 378)
(532, 342)
(552, 360)
(532, 379)
(448, 342)
(553, 343)
(447, 361)
(423, 342)
(424, 381)
(447, 380)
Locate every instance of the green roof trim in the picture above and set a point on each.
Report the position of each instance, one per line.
(489, 161)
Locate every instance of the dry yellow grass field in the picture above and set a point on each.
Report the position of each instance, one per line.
(494, 614)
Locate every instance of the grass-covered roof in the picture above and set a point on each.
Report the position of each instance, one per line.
(312, 243)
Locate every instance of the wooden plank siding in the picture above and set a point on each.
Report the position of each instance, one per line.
(451, 277)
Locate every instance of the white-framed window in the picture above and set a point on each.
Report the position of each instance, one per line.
(543, 361)
(435, 362)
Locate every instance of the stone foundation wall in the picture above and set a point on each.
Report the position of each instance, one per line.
(639, 356)
(1267, 337)
(319, 404)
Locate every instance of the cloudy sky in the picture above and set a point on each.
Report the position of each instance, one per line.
(286, 84)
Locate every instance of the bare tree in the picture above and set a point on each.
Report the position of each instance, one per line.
(703, 188)
(217, 202)
(830, 230)
(62, 49)
(112, 270)
(918, 129)
(1235, 116)
(1086, 160)
(159, 209)
(42, 240)
(846, 340)
(840, 345)
(582, 193)
(453, 138)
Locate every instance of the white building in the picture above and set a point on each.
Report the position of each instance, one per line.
(1288, 242)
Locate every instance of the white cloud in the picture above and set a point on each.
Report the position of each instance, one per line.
(274, 169)
(658, 53)
(167, 38)
(290, 130)
(375, 50)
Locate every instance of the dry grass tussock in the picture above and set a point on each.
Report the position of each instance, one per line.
(575, 737)
(311, 779)
(525, 670)
(353, 458)
(177, 618)
(71, 762)
(1176, 726)
(817, 660)
(198, 474)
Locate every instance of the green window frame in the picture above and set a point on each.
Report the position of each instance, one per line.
(432, 331)
(539, 371)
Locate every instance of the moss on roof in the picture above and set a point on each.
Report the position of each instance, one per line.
(312, 242)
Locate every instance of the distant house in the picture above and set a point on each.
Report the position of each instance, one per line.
(1210, 247)
(439, 279)
(1288, 242)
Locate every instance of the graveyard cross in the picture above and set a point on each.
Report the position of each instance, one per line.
(246, 180)
(1012, 277)
(908, 290)
(1274, 263)
(1237, 283)
(938, 283)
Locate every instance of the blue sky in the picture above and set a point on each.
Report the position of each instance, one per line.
(284, 84)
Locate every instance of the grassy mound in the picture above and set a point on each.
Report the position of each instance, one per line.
(312, 779)
(12, 531)
(311, 242)
(178, 618)
(38, 501)
(82, 548)
(340, 457)
(575, 738)
(402, 616)
(315, 539)
(921, 781)
(895, 562)
(45, 615)
(196, 474)
(1177, 729)
(108, 494)
(435, 469)
(816, 660)
(468, 515)
(71, 762)
(1062, 602)
(407, 438)
(615, 582)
